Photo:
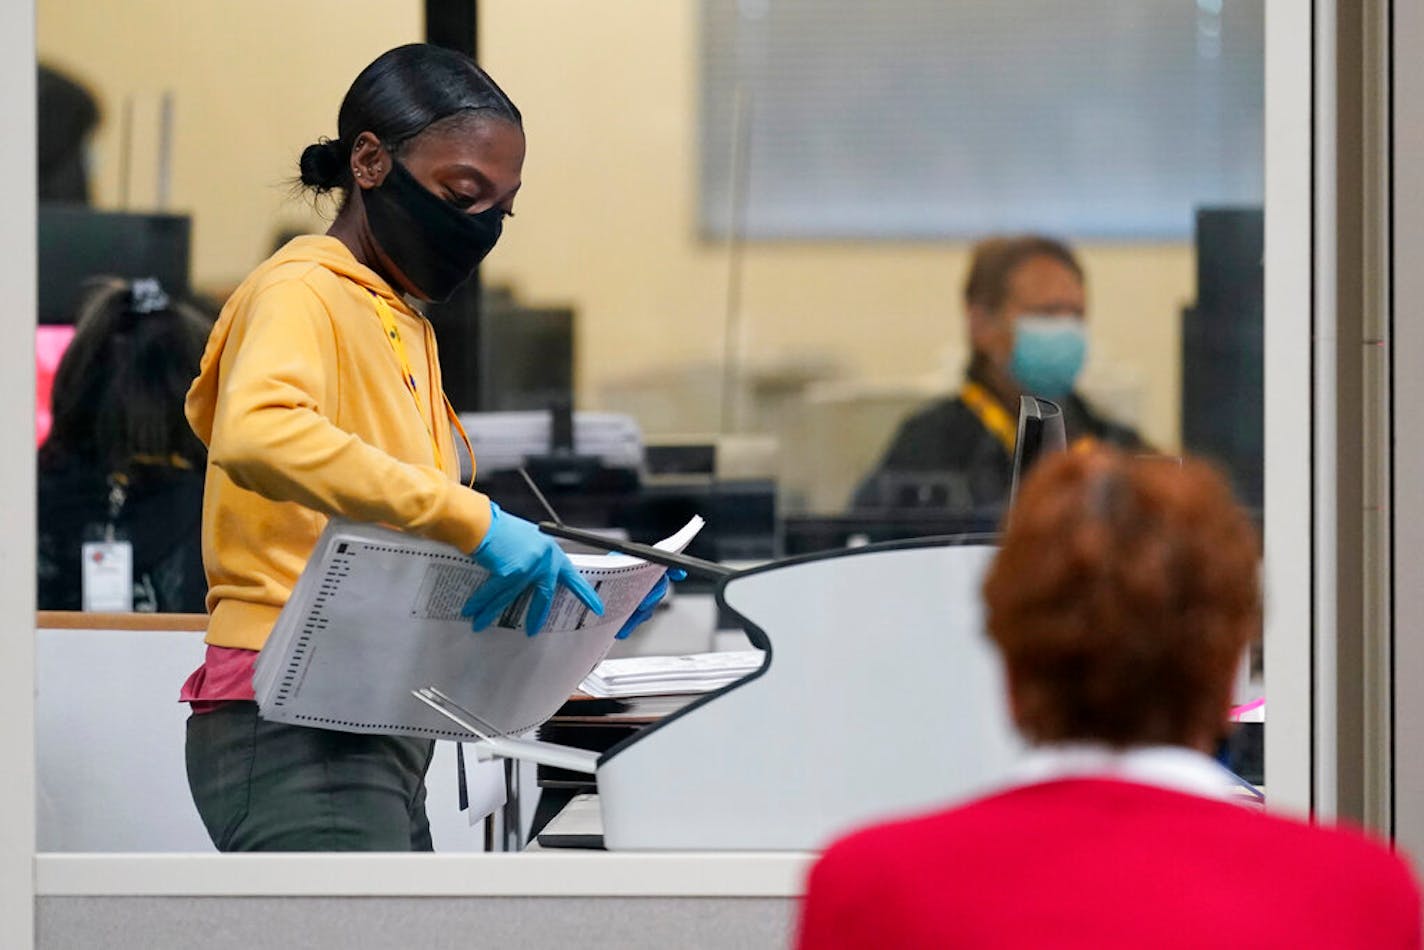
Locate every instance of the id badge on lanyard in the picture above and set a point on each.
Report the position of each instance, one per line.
(107, 576)
(106, 565)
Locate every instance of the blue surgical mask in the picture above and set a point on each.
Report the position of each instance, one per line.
(1048, 354)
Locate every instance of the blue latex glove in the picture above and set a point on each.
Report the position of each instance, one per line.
(519, 557)
(650, 602)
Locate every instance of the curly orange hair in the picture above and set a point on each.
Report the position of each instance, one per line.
(1122, 596)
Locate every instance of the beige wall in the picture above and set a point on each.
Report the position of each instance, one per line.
(607, 220)
(254, 82)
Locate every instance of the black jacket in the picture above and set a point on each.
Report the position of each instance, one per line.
(162, 518)
(944, 459)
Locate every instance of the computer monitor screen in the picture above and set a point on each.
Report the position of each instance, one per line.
(1223, 348)
(1040, 433)
(76, 244)
(50, 344)
(526, 358)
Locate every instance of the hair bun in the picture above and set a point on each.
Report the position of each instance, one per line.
(323, 165)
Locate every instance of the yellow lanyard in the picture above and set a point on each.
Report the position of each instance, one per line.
(997, 420)
(393, 337)
(991, 415)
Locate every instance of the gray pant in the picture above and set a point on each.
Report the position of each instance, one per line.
(264, 786)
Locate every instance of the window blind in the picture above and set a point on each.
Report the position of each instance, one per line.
(949, 118)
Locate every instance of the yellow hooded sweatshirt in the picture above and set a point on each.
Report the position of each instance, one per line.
(301, 403)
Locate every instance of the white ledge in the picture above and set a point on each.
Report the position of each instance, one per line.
(559, 874)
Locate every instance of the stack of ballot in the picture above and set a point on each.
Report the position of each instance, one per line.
(505, 441)
(376, 614)
(664, 675)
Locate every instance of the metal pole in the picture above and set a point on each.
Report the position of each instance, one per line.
(454, 24)
(164, 175)
(511, 819)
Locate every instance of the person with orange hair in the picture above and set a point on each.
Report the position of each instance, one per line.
(1121, 599)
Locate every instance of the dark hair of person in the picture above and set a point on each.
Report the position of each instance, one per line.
(1123, 594)
(119, 389)
(396, 98)
(996, 259)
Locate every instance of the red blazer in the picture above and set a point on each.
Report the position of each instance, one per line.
(1089, 862)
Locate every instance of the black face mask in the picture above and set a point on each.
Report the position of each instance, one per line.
(436, 245)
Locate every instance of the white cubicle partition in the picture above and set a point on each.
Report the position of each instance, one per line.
(1406, 503)
(17, 477)
(109, 729)
(110, 778)
(109, 741)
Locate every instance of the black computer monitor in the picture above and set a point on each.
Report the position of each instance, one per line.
(1040, 433)
(526, 357)
(77, 243)
(1223, 347)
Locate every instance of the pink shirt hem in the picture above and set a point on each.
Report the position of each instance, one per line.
(225, 676)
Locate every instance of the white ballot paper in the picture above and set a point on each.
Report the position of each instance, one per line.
(667, 675)
(376, 614)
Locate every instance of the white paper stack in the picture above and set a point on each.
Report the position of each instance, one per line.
(376, 614)
(663, 675)
(503, 441)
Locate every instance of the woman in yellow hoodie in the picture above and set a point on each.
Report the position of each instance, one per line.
(320, 395)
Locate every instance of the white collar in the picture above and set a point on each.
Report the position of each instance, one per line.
(1177, 768)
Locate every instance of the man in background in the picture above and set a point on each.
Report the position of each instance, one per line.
(1025, 306)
